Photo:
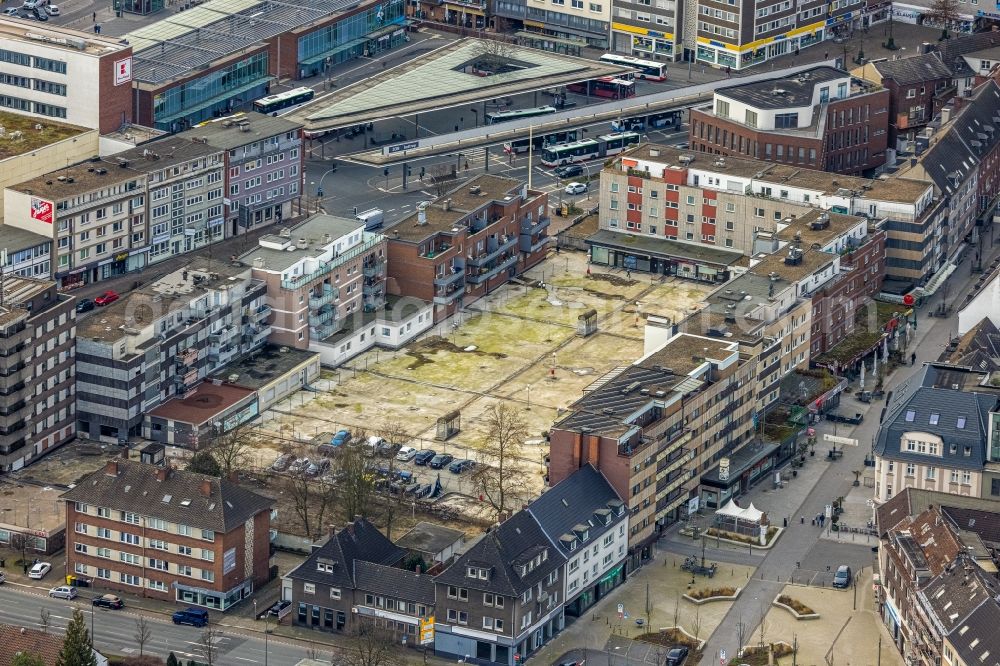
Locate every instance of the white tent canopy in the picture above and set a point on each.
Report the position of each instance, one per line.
(749, 514)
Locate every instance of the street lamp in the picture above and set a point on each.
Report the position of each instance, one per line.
(319, 190)
(312, 186)
(265, 628)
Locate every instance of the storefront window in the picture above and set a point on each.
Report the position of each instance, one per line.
(727, 59)
(706, 54)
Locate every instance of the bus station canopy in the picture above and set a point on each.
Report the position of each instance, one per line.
(444, 79)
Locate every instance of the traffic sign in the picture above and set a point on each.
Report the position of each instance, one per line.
(722, 658)
(621, 611)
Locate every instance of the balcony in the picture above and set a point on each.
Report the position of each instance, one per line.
(376, 269)
(531, 229)
(18, 391)
(15, 381)
(10, 350)
(11, 425)
(449, 295)
(326, 267)
(256, 336)
(488, 273)
(261, 313)
(186, 357)
(12, 367)
(12, 408)
(450, 278)
(322, 316)
(322, 332)
(490, 255)
(11, 443)
(539, 245)
(220, 354)
(773, 347)
(672, 484)
(439, 248)
(327, 297)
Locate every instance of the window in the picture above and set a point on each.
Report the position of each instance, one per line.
(208, 535)
(751, 118)
(207, 555)
(335, 593)
(960, 424)
(931, 473)
(132, 539)
(460, 593)
(132, 518)
(208, 574)
(910, 415)
(911, 469)
(461, 617)
(184, 530)
(82, 508)
(81, 528)
(129, 579)
(934, 419)
(80, 548)
(103, 512)
(786, 120)
(184, 550)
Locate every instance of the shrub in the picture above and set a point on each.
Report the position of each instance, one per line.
(795, 605)
(706, 593)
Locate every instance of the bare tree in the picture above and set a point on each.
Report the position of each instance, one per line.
(208, 646)
(493, 55)
(372, 646)
(395, 434)
(44, 620)
(741, 634)
(310, 501)
(498, 478)
(356, 485)
(143, 632)
(677, 609)
(233, 449)
(696, 623)
(763, 626)
(946, 12)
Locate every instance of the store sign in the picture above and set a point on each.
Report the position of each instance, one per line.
(121, 256)
(228, 561)
(41, 210)
(123, 71)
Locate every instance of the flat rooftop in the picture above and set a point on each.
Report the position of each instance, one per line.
(427, 537)
(263, 367)
(664, 247)
(462, 202)
(902, 190)
(58, 37)
(801, 227)
(206, 402)
(442, 79)
(16, 291)
(20, 135)
(13, 239)
(314, 231)
(680, 353)
(31, 505)
(810, 262)
(160, 154)
(228, 132)
(80, 179)
(185, 42)
(783, 92)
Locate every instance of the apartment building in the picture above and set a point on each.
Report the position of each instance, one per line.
(648, 29)
(652, 428)
(37, 374)
(184, 193)
(161, 341)
(168, 534)
(468, 242)
(583, 22)
(94, 216)
(263, 160)
(821, 118)
(940, 433)
(585, 518)
(28, 254)
(502, 599)
(55, 72)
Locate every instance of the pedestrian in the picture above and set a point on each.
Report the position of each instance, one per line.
(728, 71)
(802, 520)
(913, 358)
(826, 54)
(95, 17)
(628, 274)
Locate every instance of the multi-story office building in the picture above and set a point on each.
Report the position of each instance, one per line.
(168, 534)
(468, 242)
(190, 76)
(28, 254)
(37, 373)
(184, 194)
(93, 213)
(648, 29)
(161, 341)
(263, 166)
(585, 22)
(822, 118)
(82, 78)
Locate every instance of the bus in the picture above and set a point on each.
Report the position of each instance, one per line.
(662, 120)
(606, 86)
(542, 140)
(645, 69)
(588, 149)
(283, 100)
(513, 114)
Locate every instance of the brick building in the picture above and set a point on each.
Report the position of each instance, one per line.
(468, 242)
(168, 534)
(37, 371)
(820, 118)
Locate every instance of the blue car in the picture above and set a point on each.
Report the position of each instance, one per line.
(341, 438)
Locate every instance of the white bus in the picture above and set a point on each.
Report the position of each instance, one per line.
(513, 114)
(645, 69)
(588, 149)
(283, 100)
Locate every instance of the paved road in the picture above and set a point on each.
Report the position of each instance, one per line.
(114, 631)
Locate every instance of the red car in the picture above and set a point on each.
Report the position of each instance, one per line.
(107, 298)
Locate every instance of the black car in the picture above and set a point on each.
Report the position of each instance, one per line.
(569, 170)
(41, 14)
(108, 601)
(279, 606)
(440, 460)
(424, 457)
(85, 305)
(460, 466)
(676, 656)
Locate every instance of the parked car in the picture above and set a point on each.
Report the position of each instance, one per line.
(836, 417)
(282, 462)
(568, 171)
(441, 460)
(387, 449)
(460, 466)
(63, 592)
(278, 607)
(676, 656)
(576, 188)
(299, 466)
(39, 570)
(424, 457)
(342, 437)
(406, 453)
(107, 298)
(373, 443)
(108, 601)
(10, 11)
(3, 577)
(312, 469)
(40, 14)
(196, 617)
(843, 576)
(405, 475)
(53, 10)
(85, 304)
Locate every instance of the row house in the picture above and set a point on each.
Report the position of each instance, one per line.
(161, 341)
(94, 216)
(821, 118)
(29, 254)
(263, 160)
(37, 370)
(168, 534)
(468, 242)
(653, 427)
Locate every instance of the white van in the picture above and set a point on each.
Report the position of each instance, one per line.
(372, 218)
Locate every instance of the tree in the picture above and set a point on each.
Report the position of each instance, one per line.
(498, 478)
(208, 646)
(233, 449)
(696, 623)
(395, 434)
(143, 632)
(77, 648)
(27, 659)
(741, 635)
(172, 660)
(356, 487)
(763, 625)
(413, 562)
(309, 500)
(44, 620)
(204, 462)
(372, 646)
(493, 55)
(946, 12)
(143, 660)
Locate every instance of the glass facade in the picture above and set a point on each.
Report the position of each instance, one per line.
(139, 6)
(217, 92)
(377, 29)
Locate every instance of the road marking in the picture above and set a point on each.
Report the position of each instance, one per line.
(391, 210)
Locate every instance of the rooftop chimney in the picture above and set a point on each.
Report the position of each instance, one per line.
(112, 468)
(422, 214)
(162, 473)
(447, 204)
(206, 487)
